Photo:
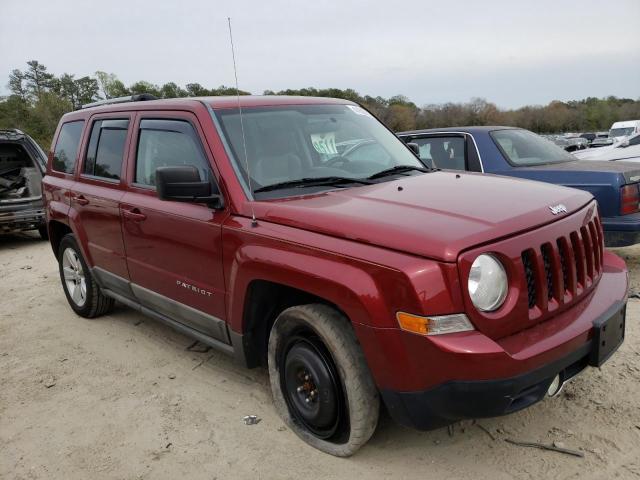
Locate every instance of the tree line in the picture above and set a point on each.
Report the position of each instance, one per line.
(38, 99)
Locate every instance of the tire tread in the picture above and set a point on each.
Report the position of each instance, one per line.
(97, 302)
(362, 395)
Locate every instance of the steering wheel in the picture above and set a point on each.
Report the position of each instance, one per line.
(337, 159)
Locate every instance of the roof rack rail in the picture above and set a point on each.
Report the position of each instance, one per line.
(138, 97)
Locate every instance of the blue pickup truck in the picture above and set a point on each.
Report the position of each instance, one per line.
(520, 153)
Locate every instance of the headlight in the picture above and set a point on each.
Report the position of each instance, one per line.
(487, 283)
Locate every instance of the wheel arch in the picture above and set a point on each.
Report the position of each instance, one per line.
(264, 281)
(263, 302)
(57, 231)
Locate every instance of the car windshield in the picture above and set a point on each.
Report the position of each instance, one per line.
(524, 148)
(621, 132)
(287, 144)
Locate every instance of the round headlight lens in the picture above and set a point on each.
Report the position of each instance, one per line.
(487, 283)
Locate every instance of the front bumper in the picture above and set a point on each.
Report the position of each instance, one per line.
(459, 400)
(622, 230)
(427, 382)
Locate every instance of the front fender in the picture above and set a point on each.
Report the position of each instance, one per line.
(345, 273)
(356, 289)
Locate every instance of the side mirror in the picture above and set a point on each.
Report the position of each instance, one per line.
(415, 148)
(183, 184)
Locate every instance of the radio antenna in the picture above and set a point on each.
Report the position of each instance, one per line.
(254, 222)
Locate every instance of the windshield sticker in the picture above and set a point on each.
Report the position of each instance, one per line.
(324, 143)
(359, 110)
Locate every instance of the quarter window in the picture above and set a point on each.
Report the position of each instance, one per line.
(167, 143)
(443, 152)
(66, 151)
(106, 148)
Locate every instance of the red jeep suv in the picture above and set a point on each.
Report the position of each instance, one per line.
(301, 234)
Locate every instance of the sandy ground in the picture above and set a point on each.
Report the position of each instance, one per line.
(121, 397)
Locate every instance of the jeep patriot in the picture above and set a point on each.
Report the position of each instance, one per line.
(301, 234)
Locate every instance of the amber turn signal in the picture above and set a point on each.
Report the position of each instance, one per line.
(413, 323)
(437, 325)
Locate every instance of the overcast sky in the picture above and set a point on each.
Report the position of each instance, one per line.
(510, 52)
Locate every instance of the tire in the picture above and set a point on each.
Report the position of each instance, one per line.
(313, 348)
(87, 301)
(44, 233)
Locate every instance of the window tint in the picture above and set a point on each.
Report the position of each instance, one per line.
(106, 148)
(166, 143)
(64, 155)
(443, 152)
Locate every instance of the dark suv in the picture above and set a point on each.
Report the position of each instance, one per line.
(22, 166)
(301, 234)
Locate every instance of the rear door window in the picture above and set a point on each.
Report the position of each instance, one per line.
(106, 148)
(66, 151)
(524, 148)
(443, 152)
(167, 143)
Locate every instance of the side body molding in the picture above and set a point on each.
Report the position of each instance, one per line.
(178, 315)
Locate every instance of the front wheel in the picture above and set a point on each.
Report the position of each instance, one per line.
(321, 385)
(82, 291)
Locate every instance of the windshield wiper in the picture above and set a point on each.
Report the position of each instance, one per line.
(311, 182)
(397, 169)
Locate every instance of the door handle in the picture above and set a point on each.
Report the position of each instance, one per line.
(134, 214)
(81, 200)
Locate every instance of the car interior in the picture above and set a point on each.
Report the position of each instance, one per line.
(442, 152)
(19, 177)
(283, 146)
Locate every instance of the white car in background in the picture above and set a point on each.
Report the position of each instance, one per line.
(628, 128)
(627, 149)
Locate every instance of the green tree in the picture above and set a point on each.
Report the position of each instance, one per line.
(145, 87)
(172, 90)
(17, 84)
(38, 99)
(37, 79)
(195, 90)
(86, 90)
(110, 86)
(15, 113)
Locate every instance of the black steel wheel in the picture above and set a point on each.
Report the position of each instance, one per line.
(321, 384)
(311, 385)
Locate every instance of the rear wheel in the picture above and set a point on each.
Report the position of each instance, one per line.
(44, 233)
(82, 291)
(321, 384)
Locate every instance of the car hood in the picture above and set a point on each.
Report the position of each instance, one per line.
(631, 152)
(435, 215)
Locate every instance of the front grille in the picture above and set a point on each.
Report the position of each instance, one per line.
(562, 270)
(531, 281)
(546, 258)
(563, 262)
